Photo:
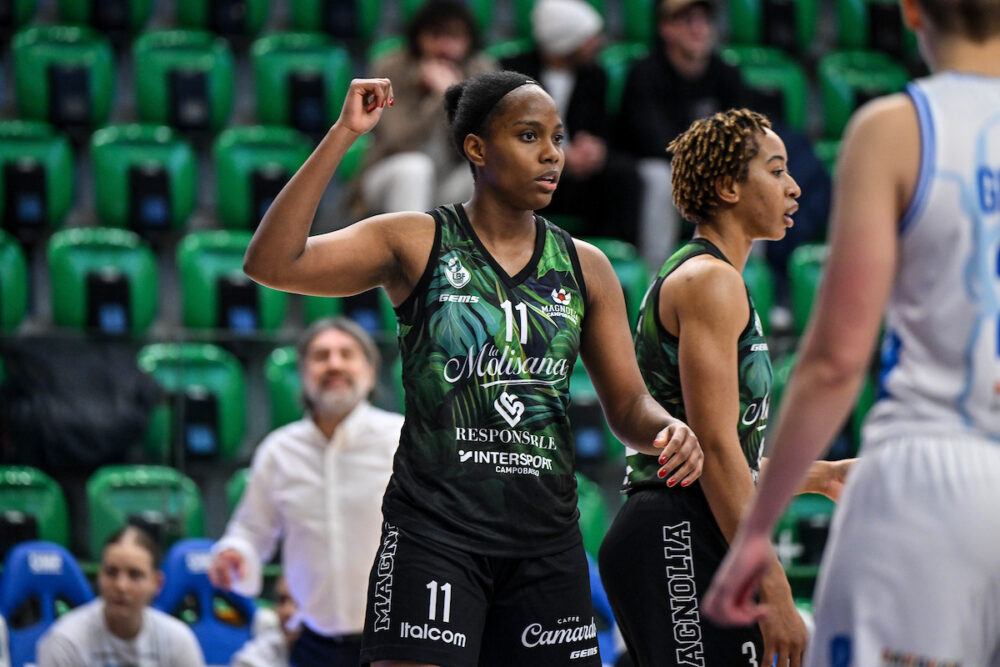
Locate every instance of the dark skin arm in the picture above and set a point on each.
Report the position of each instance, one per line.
(606, 348)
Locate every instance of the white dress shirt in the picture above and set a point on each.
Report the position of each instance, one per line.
(323, 498)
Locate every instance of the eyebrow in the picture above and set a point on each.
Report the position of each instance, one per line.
(536, 124)
(776, 157)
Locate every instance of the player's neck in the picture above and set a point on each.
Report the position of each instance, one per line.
(963, 55)
(733, 243)
(497, 222)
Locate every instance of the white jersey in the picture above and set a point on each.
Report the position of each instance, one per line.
(941, 355)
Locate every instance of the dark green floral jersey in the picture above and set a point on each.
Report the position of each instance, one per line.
(485, 460)
(656, 351)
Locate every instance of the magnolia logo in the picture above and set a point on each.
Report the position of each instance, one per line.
(510, 408)
(535, 635)
(561, 297)
(456, 273)
(504, 367)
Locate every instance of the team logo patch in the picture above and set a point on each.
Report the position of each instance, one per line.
(561, 297)
(510, 408)
(457, 274)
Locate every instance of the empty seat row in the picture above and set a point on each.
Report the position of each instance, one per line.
(145, 176)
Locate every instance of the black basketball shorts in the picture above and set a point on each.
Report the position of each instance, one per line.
(432, 603)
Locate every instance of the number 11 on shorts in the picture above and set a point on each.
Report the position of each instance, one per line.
(432, 586)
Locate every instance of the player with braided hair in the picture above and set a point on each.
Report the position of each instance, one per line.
(703, 355)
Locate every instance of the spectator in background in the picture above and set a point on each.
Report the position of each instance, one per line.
(316, 485)
(272, 646)
(596, 184)
(681, 80)
(412, 165)
(120, 628)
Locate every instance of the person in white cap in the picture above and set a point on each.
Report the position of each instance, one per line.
(681, 80)
(598, 185)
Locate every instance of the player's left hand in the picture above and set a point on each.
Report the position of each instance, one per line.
(828, 477)
(681, 457)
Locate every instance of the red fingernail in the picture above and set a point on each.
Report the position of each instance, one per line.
(392, 100)
(671, 482)
(661, 474)
(685, 483)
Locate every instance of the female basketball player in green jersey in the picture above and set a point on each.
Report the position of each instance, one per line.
(481, 561)
(703, 355)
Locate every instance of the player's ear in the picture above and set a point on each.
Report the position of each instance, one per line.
(727, 189)
(475, 149)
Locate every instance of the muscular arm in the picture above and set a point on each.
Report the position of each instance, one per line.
(384, 250)
(607, 352)
(876, 174)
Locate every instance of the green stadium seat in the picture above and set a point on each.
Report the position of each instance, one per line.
(284, 388)
(13, 283)
(300, 79)
(848, 79)
(16, 14)
(63, 75)
(482, 12)
(777, 83)
(36, 177)
(235, 487)
(638, 21)
(231, 18)
(876, 25)
(522, 13)
(339, 19)
(826, 150)
(509, 48)
(144, 177)
(384, 46)
(805, 270)
(103, 280)
(371, 309)
(216, 294)
(593, 514)
(252, 164)
(760, 284)
(616, 59)
(32, 507)
(204, 415)
(183, 78)
(161, 499)
(107, 16)
(789, 25)
(800, 537)
(631, 270)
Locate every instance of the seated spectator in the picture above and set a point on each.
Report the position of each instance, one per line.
(119, 627)
(412, 165)
(681, 80)
(272, 647)
(596, 184)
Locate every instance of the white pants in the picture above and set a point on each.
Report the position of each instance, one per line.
(409, 182)
(659, 221)
(912, 567)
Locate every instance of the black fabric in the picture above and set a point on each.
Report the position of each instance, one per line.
(656, 562)
(658, 103)
(430, 603)
(608, 200)
(312, 649)
(73, 403)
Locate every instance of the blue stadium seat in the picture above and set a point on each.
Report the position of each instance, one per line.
(603, 615)
(40, 581)
(219, 619)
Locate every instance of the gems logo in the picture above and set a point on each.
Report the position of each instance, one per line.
(456, 274)
(510, 408)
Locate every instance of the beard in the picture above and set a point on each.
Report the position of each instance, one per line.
(335, 402)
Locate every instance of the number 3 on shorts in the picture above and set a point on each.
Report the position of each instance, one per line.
(748, 647)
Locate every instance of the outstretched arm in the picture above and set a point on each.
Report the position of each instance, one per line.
(874, 183)
(375, 251)
(607, 351)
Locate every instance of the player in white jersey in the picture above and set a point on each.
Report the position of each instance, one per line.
(911, 575)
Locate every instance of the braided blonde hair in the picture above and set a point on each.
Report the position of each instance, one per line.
(715, 147)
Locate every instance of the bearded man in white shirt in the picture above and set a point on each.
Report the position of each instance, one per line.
(316, 485)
